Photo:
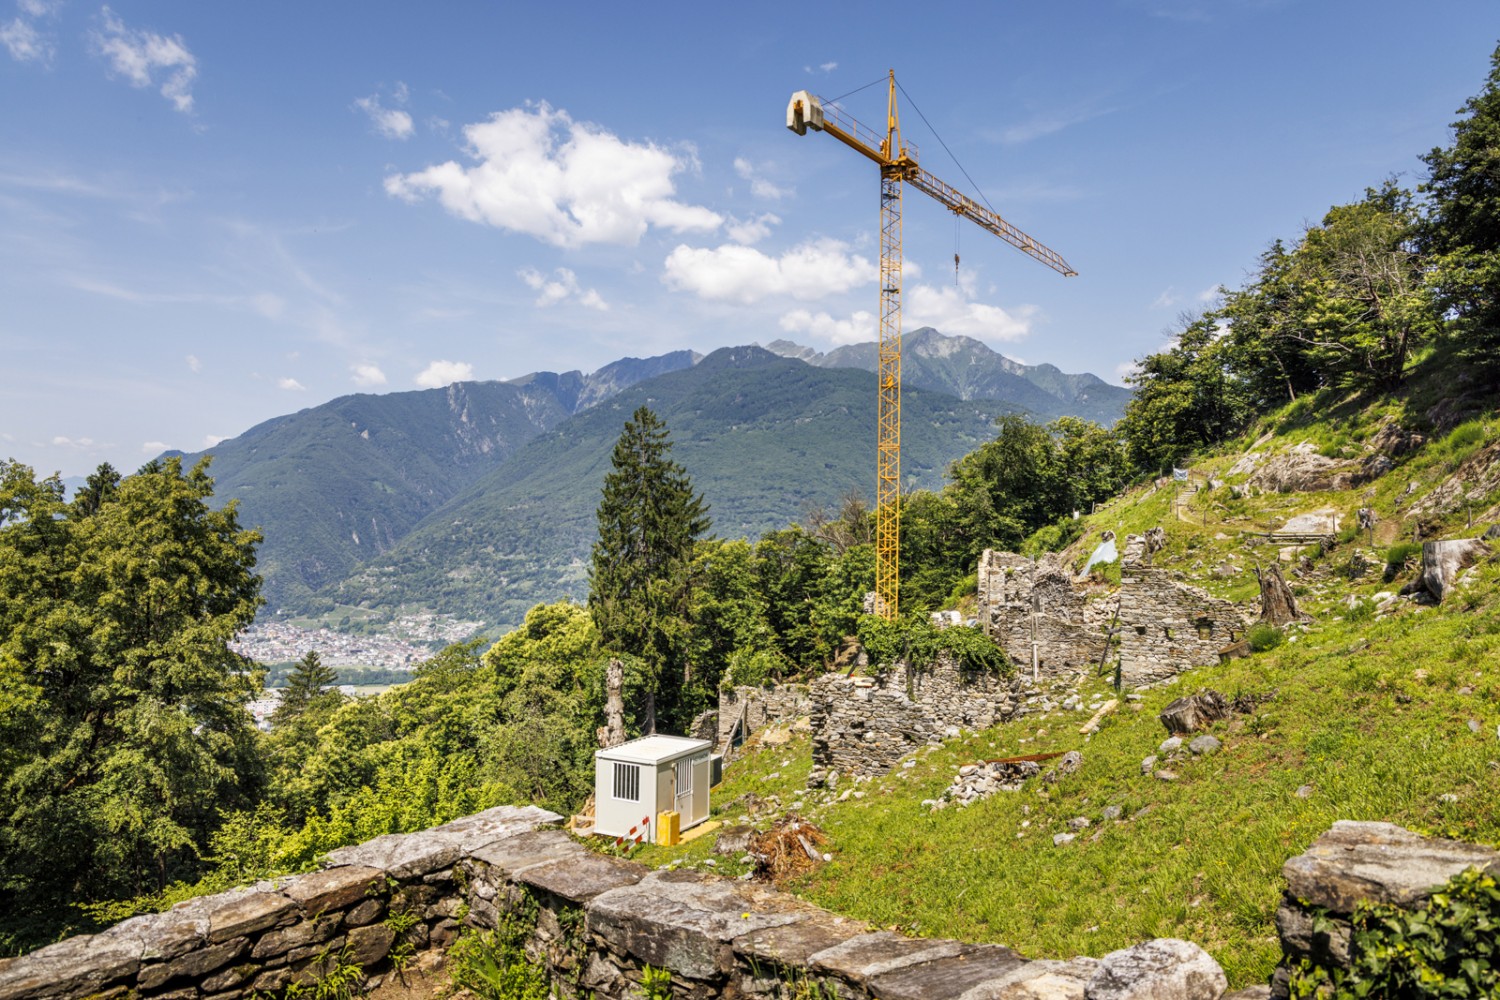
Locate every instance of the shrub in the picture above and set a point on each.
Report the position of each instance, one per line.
(1448, 948)
(1264, 636)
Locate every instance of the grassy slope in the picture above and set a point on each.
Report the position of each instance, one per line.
(1372, 713)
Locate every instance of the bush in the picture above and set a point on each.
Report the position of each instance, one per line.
(1398, 556)
(1448, 948)
(1264, 636)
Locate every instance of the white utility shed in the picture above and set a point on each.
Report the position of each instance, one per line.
(635, 781)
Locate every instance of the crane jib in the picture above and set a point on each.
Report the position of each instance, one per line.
(898, 161)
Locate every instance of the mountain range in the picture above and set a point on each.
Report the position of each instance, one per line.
(478, 498)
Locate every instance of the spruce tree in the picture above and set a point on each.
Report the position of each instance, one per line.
(649, 520)
(306, 681)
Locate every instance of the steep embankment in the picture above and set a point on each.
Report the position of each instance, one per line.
(1377, 707)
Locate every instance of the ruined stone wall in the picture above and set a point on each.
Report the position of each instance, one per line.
(1169, 627)
(864, 725)
(597, 923)
(759, 707)
(1166, 627)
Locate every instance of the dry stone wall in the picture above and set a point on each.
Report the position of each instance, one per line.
(865, 725)
(1165, 627)
(598, 923)
(1169, 627)
(751, 709)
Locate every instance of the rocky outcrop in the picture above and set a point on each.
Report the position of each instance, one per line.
(1303, 470)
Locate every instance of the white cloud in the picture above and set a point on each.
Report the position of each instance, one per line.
(955, 313)
(210, 440)
(759, 186)
(824, 68)
(61, 441)
(441, 373)
(808, 272)
(561, 285)
(290, 384)
(367, 374)
(194, 365)
(143, 56)
(153, 447)
(754, 230)
(858, 328)
(393, 123)
(25, 43)
(1166, 299)
(567, 183)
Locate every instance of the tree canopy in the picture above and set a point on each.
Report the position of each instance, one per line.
(123, 729)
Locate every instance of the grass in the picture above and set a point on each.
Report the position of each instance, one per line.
(1370, 711)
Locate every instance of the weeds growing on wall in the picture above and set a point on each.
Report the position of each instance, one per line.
(493, 964)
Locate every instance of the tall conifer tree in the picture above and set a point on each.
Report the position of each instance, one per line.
(649, 520)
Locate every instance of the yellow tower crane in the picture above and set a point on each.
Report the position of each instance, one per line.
(897, 160)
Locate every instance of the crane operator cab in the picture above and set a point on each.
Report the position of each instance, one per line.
(804, 111)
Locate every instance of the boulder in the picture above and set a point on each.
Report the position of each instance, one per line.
(1163, 969)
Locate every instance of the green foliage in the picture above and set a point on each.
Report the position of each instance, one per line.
(1462, 228)
(656, 983)
(304, 686)
(649, 519)
(493, 964)
(1186, 397)
(124, 738)
(1264, 636)
(1449, 947)
(917, 642)
(1398, 556)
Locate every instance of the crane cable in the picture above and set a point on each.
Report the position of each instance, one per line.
(939, 138)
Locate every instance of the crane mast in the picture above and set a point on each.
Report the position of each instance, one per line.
(897, 161)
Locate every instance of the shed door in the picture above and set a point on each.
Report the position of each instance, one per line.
(684, 781)
(700, 788)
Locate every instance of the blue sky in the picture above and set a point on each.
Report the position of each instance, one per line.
(214, 213)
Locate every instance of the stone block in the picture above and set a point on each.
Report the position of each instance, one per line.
(228, 979)
(791, 945)
(1381, 863)
(193, 965)
(401, 855)
(582, 878)
(334, 888)
(684, 922)
(1040, 980)
(241, 911)
(74, 967)
(862, 958)
(949, 977)
(367, 912)
(1162, 969)
(532, 847)
(368, 945)
(298, 935)
(159, 936)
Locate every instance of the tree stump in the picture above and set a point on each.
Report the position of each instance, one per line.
(1278, 605)
(1197, 711)
(1441, 563)
(613, 732)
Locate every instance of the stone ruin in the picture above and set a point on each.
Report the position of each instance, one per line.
(1048, 623)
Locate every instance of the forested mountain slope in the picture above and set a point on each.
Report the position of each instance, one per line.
(763, 437)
